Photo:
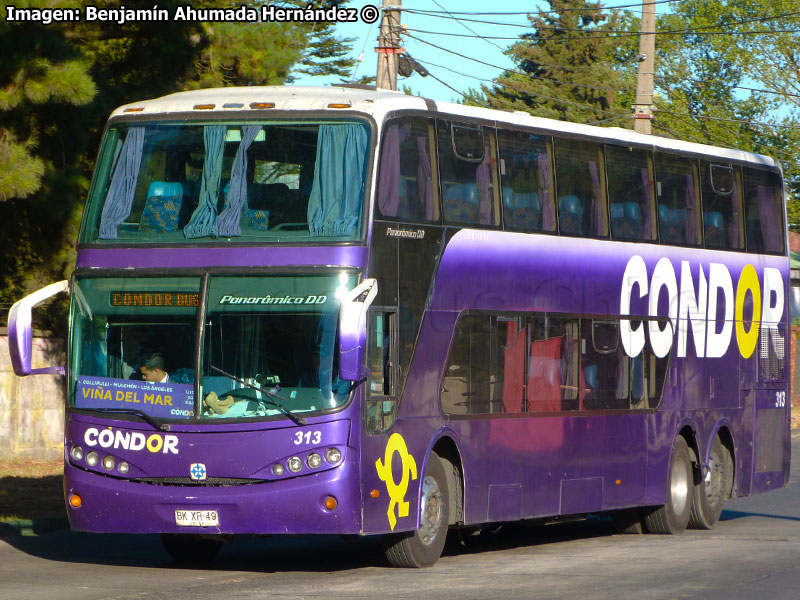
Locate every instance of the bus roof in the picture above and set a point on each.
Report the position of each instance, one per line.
(378, 103)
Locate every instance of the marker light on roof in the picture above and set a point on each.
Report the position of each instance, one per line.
(204, 106)
(134, 109)
(333, 105)
(262, 105)
(232, 105)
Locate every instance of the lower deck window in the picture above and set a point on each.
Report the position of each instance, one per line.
(546, 363)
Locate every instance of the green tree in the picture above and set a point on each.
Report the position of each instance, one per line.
(569, 67)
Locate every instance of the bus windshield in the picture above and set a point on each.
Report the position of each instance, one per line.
(278, 181)
(269, 345)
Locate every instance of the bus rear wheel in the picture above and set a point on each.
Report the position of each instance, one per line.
(673, 517)
(189, 549)
(711, 491)
(423, 547)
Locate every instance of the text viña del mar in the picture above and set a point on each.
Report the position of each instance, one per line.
(241, 14)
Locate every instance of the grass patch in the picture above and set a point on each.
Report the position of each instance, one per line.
(31, 489)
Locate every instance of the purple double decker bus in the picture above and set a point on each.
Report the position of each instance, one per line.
(341, 311)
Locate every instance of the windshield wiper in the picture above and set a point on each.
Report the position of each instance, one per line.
(132, 411)
(275, 397)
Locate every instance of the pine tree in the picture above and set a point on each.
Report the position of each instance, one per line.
(568, 67)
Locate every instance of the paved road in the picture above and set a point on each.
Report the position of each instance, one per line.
(754, 552)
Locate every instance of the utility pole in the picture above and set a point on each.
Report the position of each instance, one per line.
(388, 45)
(643, 105)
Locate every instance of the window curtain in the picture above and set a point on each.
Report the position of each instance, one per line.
(546, 192)
(202, 221)
(647, 204)
(389, 179)
(770, 219)
(335, 203)
(228, 223)
(598, 206)
(483, 181)
(119, 199)
(734, 224)
(513, 368)
(425, 178)
(691, 231)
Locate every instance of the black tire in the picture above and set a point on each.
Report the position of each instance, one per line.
(187, 548)
(711, 492)
(628, 521)
(673, 517)
(422, 548)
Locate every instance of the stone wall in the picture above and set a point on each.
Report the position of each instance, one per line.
(32, 408)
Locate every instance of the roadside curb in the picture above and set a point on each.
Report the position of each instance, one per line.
(32, 527)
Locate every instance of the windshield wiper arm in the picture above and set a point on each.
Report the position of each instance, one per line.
(132, 411)
(275, 397)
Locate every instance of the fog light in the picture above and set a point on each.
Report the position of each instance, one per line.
(124, 467)
(295, 464)
(333, 455)
(92, 458)
(277, 469)
(76, 453)
(314, 460)
(331, 503)
(109, 463)
(75, 501)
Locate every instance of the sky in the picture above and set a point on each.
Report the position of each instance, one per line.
(448, 70)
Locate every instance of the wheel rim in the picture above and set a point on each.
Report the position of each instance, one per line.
(679, 486)
(431, 515)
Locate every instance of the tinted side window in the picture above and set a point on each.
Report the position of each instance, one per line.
(763, 212)
(580, 181)
(677, 188)
(723, 226)
(468, 178)
(772, 353)
(527, 181)
(553, 363)
(631, 193)
(466, 382)
(406, 190)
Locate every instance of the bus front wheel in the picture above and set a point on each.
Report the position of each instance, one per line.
(711, 491)
(423, 547)
(673, 517)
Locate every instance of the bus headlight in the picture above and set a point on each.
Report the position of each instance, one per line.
(109, 463)
(76, 453)
(314, 460)
(295, 464)
(277, 469)
(123, 467)
(333, 455)
(92, 458)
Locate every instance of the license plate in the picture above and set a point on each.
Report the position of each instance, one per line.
(197, 518)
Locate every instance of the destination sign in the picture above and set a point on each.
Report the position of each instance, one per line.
(156, 299)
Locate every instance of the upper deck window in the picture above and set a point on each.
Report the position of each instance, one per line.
(406, 190)
(580, 181)
(723, 226)
(527, 176)
(468, 175)
(763, 212)
(630, 193)
(678, 200)
(160, 182)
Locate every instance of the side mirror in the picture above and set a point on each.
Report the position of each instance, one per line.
(353, 330)
(20, 331)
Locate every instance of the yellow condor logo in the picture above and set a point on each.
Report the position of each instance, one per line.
(397, 491)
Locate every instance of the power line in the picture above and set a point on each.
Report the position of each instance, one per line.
(590, 34)
(512, 70)
(525, 13)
